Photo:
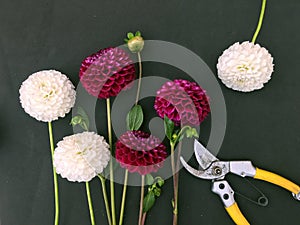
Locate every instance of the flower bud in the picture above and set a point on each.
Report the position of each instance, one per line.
(136, 44)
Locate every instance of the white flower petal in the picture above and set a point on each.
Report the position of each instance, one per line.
(47, 95)
(245, 67)
(80, 157)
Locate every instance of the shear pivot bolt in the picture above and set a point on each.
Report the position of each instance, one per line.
(217, 170)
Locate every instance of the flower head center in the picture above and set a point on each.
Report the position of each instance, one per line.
(243, 68)
(47, 92)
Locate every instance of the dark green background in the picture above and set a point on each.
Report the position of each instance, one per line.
(263, 126)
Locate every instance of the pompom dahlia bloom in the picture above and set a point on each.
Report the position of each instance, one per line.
(140, 152)
(183, 102)
(47, 95)
(245, 67)
(80, 157)
(105, 73)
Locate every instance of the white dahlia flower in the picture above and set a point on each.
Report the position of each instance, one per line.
(47, 95)
(80, 157)
(245, 67)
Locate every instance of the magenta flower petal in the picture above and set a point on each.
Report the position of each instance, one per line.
(105, 73)
(140, 152)
(183, 102)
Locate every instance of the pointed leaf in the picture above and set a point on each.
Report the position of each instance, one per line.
(195, 133)
(189, 133)
(76, 120)
(149, 201)
(160, 181)
(149, 179)
(138, 33)
(135, 118)
(130, 35)
(169, 127)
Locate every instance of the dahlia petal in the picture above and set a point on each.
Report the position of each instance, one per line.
(141, 148)
(242, 66)
(80, 157)
(111, 67)
(47, 95)
(179, 101)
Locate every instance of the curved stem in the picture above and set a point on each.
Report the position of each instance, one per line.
(102, 179)
(123, 197)
(140, 79)
(142, 199)
(88, 194)
(180, 133)
(261, 17)
(111, 172)
(54, 176)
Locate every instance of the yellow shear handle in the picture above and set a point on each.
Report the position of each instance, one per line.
(236, 214)
(276, 179)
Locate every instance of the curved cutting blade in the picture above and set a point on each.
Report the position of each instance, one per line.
(197, 173)
(203, 156)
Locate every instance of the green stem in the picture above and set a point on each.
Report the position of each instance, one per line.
(102, 179)
(54, 175)
(175, 184)
(142, 199)
(140, 79)
(88, 194)
(123, 197)
(111, 173)
(261, 17)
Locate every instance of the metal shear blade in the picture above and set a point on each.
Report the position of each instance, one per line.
(198, 173)
(212, 168)
(203, 156)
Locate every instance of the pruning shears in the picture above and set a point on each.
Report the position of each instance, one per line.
(216, 170)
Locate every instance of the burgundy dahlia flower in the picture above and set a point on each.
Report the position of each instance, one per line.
(140, 152)
(105, 73)
(182, 101)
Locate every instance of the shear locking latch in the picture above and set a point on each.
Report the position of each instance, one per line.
(223, 189)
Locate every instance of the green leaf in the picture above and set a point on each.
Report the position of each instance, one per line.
(157, 191)
(135, 118)
(126, 40)
(76, 120)
(195, 133)
(84, 126)
(149, 179)
(138, 33)
(160, 181)
(130, 35)
(169, 127)
(149, 201)
(85, 117)
(191, 132)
